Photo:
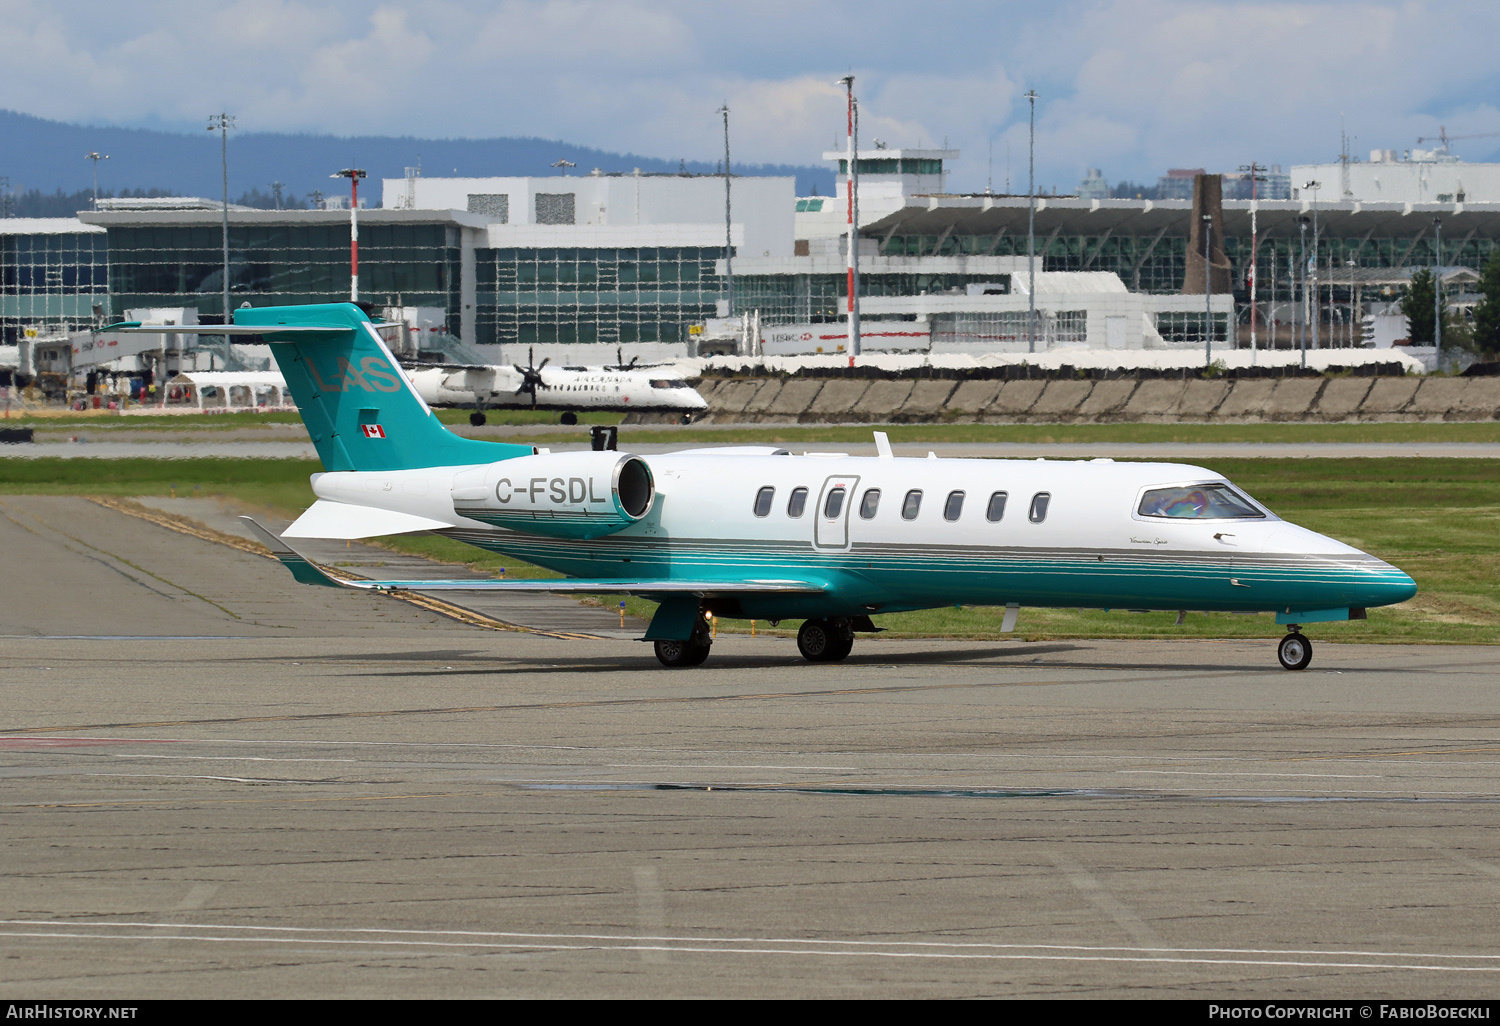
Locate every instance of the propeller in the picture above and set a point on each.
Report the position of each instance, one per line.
(531, 375)
(620, 363)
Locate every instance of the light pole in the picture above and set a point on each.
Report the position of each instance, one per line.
(1317, 309)
(1437, 291)
(1031, 228)
(96, 157)
(1254, 169)
(222, 123)
(728, 229)
(1208, 293)
(354, 174)
(852, 182)
(1302, 266)
(1353, 299)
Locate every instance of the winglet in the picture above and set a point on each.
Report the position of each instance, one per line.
(883, 445)
(302, 568)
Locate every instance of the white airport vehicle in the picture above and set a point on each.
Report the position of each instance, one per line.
(759, 533)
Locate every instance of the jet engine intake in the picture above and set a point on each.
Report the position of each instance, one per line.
(562, 495)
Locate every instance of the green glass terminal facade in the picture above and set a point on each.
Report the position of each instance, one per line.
(53, 272)
(609, 295)
(282, 264)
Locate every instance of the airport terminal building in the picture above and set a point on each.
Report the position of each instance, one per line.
(584, 263)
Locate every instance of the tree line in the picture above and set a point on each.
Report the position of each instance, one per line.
(36, 203)
(1481, 335)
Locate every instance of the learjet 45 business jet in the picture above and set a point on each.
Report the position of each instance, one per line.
(759, 533)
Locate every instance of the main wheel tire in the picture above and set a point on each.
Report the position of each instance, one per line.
(477, 418)
(821, 641)
(687, 418)
(675, 654)
(1294, 652)
(843, 639)
(570, 418)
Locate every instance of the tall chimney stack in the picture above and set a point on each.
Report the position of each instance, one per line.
(1208, 198)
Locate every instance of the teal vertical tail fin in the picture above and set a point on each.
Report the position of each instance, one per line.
(358, 405)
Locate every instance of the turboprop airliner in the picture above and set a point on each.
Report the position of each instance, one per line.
(570, 390)
(759, 533)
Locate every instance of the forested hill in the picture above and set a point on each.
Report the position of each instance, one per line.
(42, 155)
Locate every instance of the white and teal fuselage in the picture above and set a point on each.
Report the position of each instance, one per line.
(717, 530)
(1092, 549)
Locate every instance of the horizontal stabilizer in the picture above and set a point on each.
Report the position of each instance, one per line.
(308, 572)
(344, 521)
(221, 329)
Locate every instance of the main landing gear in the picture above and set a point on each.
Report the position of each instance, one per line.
(819, 641)
(1294, 651)
(826, 641)
(675, 654)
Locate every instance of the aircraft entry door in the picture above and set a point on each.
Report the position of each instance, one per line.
(831, 518)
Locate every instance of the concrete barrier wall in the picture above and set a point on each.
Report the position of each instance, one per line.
(1065, 401)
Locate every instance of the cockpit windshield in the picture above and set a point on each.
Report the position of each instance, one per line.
(1215, 501)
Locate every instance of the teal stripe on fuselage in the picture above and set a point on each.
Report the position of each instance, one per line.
(924, 576)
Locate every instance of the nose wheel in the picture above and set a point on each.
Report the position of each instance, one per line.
(1294, 651)
(826, 641)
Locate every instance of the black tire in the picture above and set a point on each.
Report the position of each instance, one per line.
(825, 641)
(677, 654)
(570, 418)
(687, 418)
(1294, 652)
(813, 640)
(843, 640)
(477, 418)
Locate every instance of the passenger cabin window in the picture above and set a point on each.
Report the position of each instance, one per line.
(1197, 502)
(763, 501)
(834, 504)
(1039, 503)
(954, 507)
(995, 512)
(912, 505)
(797, 503)
(869, 504)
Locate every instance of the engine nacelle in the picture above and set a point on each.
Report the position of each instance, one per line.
(563, 495)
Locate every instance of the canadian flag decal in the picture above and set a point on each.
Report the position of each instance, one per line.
(373, 430)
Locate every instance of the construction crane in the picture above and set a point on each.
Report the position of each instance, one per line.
(1445, 138)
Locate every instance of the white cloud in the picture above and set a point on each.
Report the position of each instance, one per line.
(1131, 86)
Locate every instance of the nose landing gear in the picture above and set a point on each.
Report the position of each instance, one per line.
(1294, 651)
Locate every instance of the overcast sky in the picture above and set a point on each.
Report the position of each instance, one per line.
(1129, 86)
